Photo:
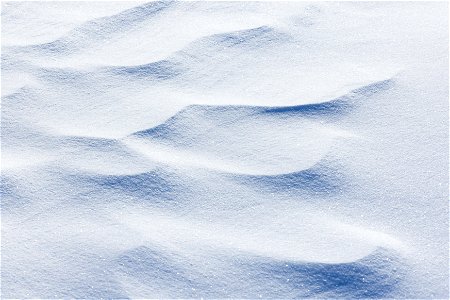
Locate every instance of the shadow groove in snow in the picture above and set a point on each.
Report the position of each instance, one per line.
(158, 70)
(11, 195)
(185, 118)
(336, 107)
(225, 44)
(378, 275)
(254, 37)
(332, 109)
(319, 180)
(143, 185)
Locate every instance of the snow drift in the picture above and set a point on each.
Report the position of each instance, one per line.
(224, 150)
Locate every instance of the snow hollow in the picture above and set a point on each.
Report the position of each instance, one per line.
(224, 150)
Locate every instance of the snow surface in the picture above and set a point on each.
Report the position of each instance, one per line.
(224, 150)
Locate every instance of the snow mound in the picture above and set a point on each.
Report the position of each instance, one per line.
(224, 150)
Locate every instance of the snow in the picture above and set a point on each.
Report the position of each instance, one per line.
(224, 150)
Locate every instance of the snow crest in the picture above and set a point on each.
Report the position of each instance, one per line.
(224, 150)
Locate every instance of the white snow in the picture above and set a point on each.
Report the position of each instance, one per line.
(224, 150)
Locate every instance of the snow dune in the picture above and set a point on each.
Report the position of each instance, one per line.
(224, 150)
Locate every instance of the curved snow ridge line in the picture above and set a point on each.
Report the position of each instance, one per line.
(204, 138)
(254, 37)
(246, 39)
(163, 70)
(292, 237)
(331, 108)
(99, 30)
(102, 30)
(322, 179)
(178, 63)
(377, 275)
(212, 160)
(71, 154)
(153, 187)
(232, 113)
(182, 140)
(338, 106)
(20, 93)
(172, 130)
(319, 180)
(100, 156)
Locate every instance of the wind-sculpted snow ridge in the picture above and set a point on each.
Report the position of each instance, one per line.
(354, 280)
(135, 31)
(224, 150)
(100, 30)
(251, 140)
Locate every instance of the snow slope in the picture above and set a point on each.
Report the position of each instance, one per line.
(224, 150)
